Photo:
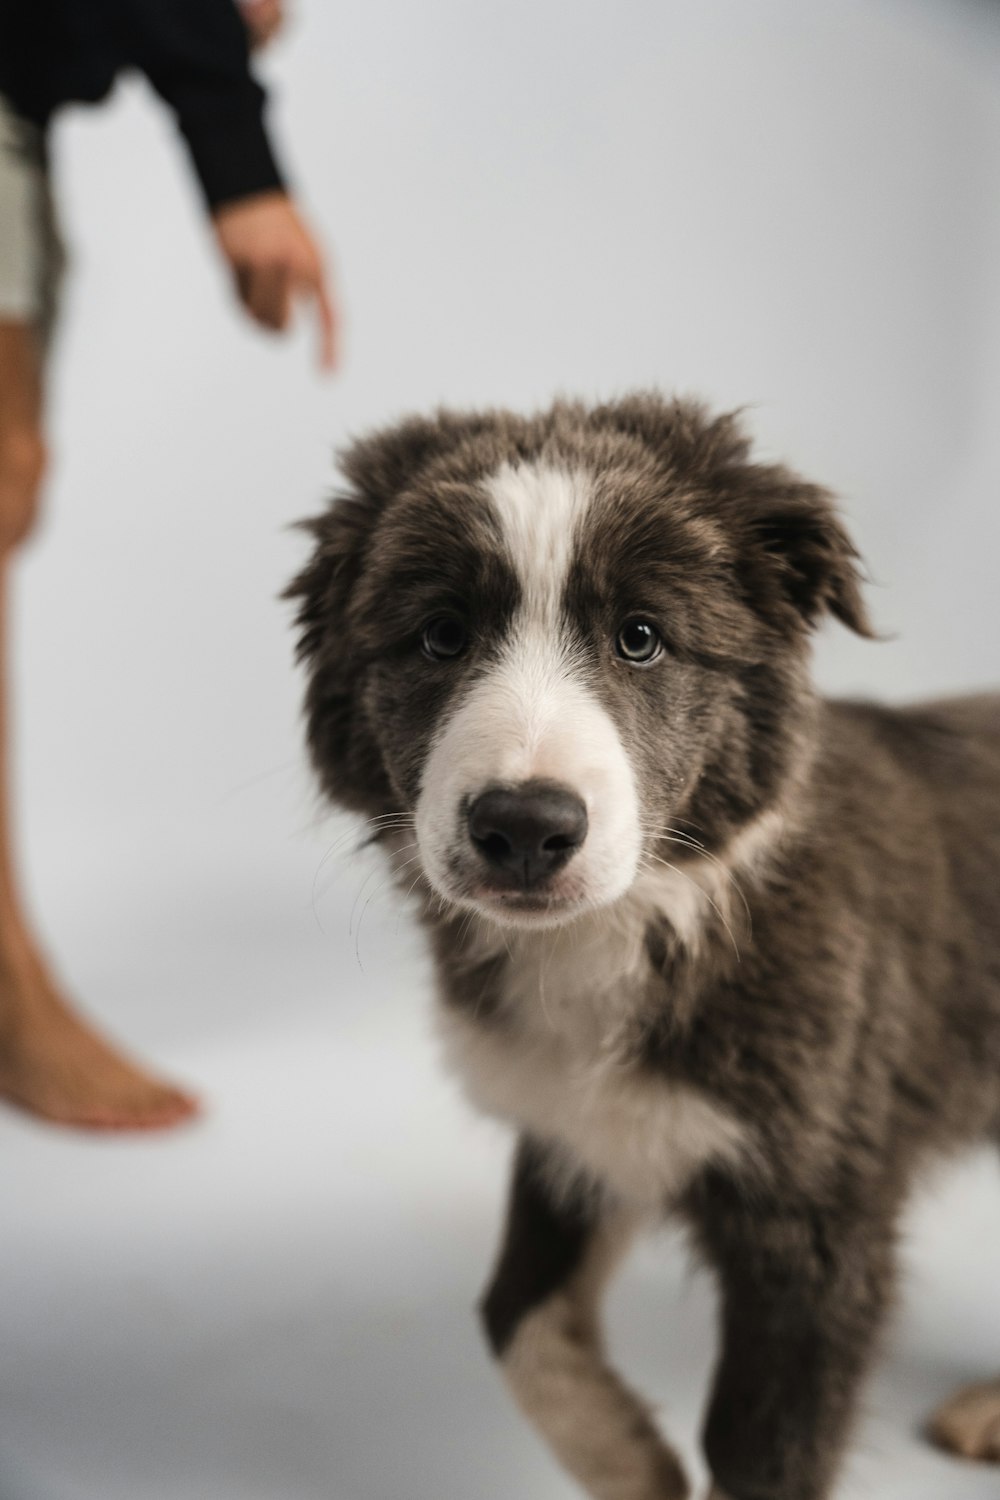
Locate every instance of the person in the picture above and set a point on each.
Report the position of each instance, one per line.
(196, 54)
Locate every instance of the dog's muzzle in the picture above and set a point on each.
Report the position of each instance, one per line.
(524, 834)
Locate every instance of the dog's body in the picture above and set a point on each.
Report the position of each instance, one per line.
(715, 947)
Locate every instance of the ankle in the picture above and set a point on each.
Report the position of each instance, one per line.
(23, 984)
(16, 945)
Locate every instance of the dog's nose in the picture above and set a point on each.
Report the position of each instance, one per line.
(527, 831)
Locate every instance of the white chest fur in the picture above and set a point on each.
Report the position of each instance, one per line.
(553, 1064)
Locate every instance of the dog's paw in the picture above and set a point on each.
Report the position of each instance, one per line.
(969, 1424)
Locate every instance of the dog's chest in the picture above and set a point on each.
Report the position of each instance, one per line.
(555, 1063)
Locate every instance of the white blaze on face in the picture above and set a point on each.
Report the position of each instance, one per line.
(533, 714)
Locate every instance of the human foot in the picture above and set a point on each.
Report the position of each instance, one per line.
(969, 1424)
(54, 1065)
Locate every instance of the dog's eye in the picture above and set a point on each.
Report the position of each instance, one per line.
(638, 642)
(444, 638)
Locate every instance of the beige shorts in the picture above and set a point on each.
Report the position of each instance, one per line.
(31, 256)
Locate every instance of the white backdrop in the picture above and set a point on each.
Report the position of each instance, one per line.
(784, 204)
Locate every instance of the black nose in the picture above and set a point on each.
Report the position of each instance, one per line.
(529, 831)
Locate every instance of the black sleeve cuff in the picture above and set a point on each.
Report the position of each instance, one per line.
(232, 154)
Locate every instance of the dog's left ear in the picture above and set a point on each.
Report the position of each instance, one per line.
(798, 556)
(795, 559)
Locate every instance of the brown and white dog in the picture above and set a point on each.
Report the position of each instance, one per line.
(715, 947)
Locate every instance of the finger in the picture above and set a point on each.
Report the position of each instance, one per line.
(314, 285)
(328, 326)
(271, 297)
(244, 287)
(269, 30)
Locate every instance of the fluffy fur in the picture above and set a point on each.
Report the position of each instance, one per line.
(718, 949)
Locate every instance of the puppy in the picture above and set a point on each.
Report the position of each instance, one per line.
(715, 947)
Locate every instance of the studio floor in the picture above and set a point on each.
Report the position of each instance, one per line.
(275, 1303)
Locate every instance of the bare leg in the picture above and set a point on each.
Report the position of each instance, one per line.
(541, 1315)
(51, 1062)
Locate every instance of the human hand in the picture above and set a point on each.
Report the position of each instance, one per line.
(275, 259)
(263, 20)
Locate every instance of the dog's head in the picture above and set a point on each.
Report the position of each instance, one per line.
(554, 641)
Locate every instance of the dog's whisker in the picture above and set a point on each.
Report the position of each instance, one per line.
(720, 865)
(413, 859)
(338, 844)
(384, 820)
(701, 890)
(463, 927)
(390, 879)
(357, 935)
(413, 884)
(682, 838)
(315, 893)
(318, 891)
(671, 834)
(372, 875)
(376, 836)
(394, 853)
(408, 892)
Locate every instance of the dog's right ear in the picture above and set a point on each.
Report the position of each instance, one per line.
(340, 744)
(377, 468)
(324, 586)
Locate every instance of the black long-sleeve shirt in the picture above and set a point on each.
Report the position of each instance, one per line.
(194, 52)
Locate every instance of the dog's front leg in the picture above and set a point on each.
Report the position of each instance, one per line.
(804, 1294)
(541, 1315)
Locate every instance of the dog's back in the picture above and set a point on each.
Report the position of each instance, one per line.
(950, 748)
(904, 840)
(957, 742)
